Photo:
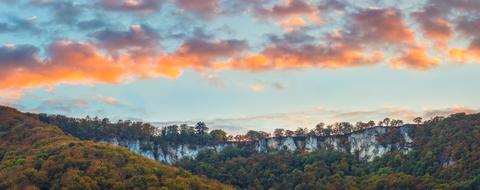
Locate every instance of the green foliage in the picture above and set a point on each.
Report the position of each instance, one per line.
(101, 129)
(39, 156)
(446, 155)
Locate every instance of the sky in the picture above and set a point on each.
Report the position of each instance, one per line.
(240, 65)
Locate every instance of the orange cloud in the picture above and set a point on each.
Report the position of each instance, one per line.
(107, 100)
(416, 59)
(464, 55)
(68, 62)
(292, 24)
(119, 56)
(286, 57)
(289, 9)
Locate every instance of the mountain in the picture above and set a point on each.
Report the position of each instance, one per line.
(444, 154)
(440, 153)
(35, 155)
(173, 143)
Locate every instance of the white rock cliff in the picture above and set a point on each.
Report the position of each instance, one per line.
(363, 143)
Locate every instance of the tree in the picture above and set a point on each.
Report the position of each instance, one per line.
(328, 131)
(201, 128)
(319, 129)
(172, 130)
(371, 124)
(417, 120)
(289, 133)
(386, 121)
(256, 135)
(239, 138)
(219, 135)
(301, 131)
(279, 132)
(343, 127)
(380, 123)
(396, 122)
(230, 138)
(360, 125)
(185, 130)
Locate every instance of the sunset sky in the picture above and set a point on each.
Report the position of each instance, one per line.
(241, 64)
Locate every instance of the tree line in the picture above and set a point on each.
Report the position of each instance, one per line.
(100, 129)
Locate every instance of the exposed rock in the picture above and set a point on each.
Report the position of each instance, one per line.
(362, 143)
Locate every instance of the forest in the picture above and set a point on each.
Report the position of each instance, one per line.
(445, 155)
(97, 129)
(34, 156)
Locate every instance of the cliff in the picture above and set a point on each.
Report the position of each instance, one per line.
(366, 144)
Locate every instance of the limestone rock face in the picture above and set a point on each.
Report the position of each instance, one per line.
(363, 143)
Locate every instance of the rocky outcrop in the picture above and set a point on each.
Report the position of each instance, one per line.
(363, 143)
(167, 154)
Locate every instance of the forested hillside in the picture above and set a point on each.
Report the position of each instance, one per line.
(34, 155)
(446, 155)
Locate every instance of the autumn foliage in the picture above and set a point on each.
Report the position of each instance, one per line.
(34, 155)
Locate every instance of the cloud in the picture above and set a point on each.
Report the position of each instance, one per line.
(464, 55)
(139, 36)
(448, 111)
(107, 99)
(416, 59)
(200, 54)
(214, 80)
(10, 97)
(92, 24)
(18, 56)
(257, 87)
(288, 9)
(68, 62)
(332, 5)
(292, 24)
(142, 6)
(305, 56)
(443, 20)
(369, 36)
(64, 12)
(291, 38)
(207, 49)
(467, 27)
(384, 26)
(15, 24)
(204, 8)
(433, 23)
(62, 106)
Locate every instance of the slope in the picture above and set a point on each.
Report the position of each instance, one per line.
(34, 155)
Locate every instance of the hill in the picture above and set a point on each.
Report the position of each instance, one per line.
(440, 153)
(445, 155)
(34, 155)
